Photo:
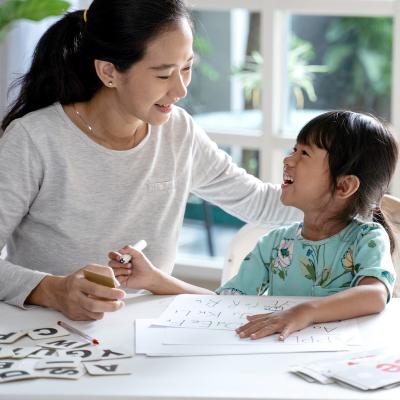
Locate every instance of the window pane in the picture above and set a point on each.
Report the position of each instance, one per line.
(247, 159)
(225, 92)
(337, 63)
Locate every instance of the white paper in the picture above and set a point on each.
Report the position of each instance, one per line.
(344, 330)
(211, 320)
(219, 312)
(149, 341)
(229, 312)
(320, 370)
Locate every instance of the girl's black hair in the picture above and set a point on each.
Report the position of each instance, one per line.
(359, 145)
(117, 31)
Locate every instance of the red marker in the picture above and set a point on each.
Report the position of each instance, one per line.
(71, 329)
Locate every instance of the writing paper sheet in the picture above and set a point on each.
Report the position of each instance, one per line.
(226, 313)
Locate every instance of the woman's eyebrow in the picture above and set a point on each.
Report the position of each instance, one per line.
(168, 66)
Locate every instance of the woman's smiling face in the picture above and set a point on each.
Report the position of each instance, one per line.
(151, 86)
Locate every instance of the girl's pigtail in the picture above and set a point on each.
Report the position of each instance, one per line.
(378, 216)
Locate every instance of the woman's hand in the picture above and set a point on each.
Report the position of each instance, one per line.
(282, 322)
(76, 297)
(139, 273)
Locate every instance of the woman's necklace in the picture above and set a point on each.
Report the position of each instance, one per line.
(82, 119)
(90, 128)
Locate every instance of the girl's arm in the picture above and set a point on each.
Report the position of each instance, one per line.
(140, 273)
(369, 297)
(167, 284)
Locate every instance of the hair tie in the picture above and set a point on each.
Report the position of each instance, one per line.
(85, 15)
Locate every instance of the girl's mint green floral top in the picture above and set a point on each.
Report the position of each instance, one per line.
(285, 264)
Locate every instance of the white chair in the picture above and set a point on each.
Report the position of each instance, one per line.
(242, 243)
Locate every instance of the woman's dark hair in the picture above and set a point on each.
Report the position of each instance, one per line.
(359, 145)
(111, 30)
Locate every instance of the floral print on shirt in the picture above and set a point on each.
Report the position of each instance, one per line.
(281, 258)
(284, 263)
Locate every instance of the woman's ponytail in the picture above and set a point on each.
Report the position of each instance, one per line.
(60, 70)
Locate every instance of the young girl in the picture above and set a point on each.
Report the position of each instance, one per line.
(336, 174)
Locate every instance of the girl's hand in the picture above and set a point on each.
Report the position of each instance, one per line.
(282, 322)
(139, 273)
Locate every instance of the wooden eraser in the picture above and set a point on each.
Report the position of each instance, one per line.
(102, 276)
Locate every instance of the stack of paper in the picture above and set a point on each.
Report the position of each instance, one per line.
(205, 325)
(366, 370)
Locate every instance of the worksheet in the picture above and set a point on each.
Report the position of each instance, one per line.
(226, 313)
(197, 323)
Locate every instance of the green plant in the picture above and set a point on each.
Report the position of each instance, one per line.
(360, 54)
(34, 10)
(300, 73)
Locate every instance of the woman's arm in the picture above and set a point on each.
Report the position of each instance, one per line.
(218, 180)
(369, 297)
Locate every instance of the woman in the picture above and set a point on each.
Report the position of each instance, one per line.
(95, 155)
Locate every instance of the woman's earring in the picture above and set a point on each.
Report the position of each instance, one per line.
(110, 83)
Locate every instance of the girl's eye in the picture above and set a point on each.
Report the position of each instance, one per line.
(164, 77)
(188, 68)
(304, 153)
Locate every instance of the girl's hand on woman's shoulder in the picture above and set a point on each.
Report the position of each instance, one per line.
(282, 322)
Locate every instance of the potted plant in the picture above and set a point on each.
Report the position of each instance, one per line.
(300, 73)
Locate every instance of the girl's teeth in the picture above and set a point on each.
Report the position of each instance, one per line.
(288, 179)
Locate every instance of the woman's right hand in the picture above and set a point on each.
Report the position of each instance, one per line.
(139, 273)
(76, 297)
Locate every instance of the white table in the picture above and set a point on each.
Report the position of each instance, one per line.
(262, 376)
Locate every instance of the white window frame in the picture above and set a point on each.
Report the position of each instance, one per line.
(273, 14)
